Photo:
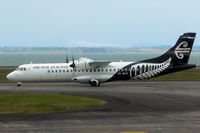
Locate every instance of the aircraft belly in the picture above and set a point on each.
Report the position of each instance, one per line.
(87, 78)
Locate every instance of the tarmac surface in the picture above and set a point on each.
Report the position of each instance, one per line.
(133, 107)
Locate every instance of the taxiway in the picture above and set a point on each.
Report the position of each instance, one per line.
(145, 107)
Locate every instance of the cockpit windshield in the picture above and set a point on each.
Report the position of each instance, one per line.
(21, 69)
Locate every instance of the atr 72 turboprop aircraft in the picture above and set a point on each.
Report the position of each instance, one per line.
(96, 72)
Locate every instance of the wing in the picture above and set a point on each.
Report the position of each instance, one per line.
(85, 63)
(97, 64)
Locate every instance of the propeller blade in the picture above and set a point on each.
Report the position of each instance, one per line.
(67, 61)
(73, 64)
(73, 59)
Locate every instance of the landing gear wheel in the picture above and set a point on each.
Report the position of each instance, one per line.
(19, 84)
(95, 83)
(98, 84)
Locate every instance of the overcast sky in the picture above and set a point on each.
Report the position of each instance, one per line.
(97, 22)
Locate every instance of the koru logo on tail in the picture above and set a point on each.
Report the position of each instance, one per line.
(181, 49)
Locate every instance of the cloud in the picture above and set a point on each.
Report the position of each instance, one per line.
(91, 44)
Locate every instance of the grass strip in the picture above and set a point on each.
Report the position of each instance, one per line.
(186, 75)
(37, 103)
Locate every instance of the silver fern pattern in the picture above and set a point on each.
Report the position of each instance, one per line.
(147, 70)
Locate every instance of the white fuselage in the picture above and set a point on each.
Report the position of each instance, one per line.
(62, 72)
(95, 72)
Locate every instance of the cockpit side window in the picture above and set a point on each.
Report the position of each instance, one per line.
(21, 69)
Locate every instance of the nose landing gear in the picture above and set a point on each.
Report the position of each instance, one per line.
(19, 84)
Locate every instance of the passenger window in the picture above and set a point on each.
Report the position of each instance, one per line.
(52, 71)
(60, 71)
(48, 71)
(63, 70)
(82, 70)
(71, 71)
(90, 70)
(102, 70)
(106, 70)
(67, 70)
(86, 70)
(94, 70)
(56, 71)
(98, 70)
(114, 70)
(110, 69)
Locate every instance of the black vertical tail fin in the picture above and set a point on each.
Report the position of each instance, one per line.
(179, 53)
(175, 59)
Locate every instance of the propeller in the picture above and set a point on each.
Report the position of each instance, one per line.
(73, 64)
(67, 61)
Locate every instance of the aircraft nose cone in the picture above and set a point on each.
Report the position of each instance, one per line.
(10, 76)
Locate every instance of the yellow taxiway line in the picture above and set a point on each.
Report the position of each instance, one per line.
(135, 132)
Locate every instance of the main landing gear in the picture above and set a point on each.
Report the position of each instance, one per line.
(95, 83)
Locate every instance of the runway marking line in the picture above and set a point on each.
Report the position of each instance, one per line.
(135, 132)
